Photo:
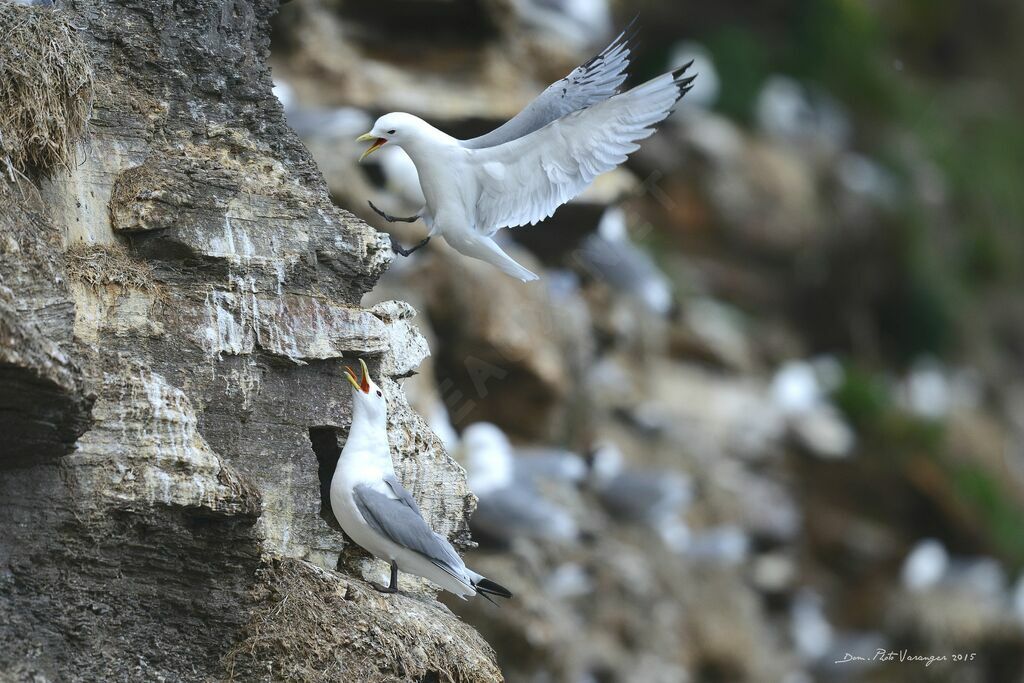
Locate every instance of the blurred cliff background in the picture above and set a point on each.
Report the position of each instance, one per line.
(793, 318)
(763, 413)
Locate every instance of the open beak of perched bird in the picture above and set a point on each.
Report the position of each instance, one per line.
(377, 144)
(362, 384)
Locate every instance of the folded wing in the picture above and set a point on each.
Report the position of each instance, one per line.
(399, 519)
(592, 82)
(523, 181)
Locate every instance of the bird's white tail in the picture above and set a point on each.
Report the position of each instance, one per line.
(486, 249)
(512, 268)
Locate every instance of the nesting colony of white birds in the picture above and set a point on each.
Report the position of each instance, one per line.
(622, 430)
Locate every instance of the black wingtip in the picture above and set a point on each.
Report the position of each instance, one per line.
(630, 32)
(488, 587)
(676, 73)
(685, 84)
(625, 40)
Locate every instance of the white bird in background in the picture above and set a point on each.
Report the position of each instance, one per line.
(655, 498)
(611, 256)
(379, 514)
(518, 174)
(540, 464)
(800, 390)
(925, 565)
(789, 111)
(572, 22)
(1017, 599)
(809, 625)
(509, 505)
(285, 94)
(725, 545)
(705, 91)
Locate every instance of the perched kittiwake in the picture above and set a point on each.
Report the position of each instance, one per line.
(379, 514)
(540, 464)
(519, 173)
(611, 256)
(724, 545)
(509, 505)
(570, 22)
(925, 565)
(285, 94)
(654, 498)
(809, 627)
(1017, 599)
(790, 111)
(705, 91)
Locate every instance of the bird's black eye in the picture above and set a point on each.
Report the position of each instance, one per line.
(379, 393)
(391, 132)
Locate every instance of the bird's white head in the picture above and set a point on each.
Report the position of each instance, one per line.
(367, 398)
(488, 457)
(397, 128)
(606, 462)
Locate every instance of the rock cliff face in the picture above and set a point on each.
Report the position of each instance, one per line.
(173, 316)
(752, 311)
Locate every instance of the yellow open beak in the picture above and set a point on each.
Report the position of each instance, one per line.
(351, 377)
(362, 384)
(378, 143)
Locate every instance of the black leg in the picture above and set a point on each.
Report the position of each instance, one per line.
(399, 249)
(395, 246)
(393, 587)
(393, 219)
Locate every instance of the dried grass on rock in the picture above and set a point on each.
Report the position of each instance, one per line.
(46, 87)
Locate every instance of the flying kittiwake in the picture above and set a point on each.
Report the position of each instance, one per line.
(379, 514)
(518, 174)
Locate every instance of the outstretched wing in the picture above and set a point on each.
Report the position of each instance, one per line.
(399, 519)
(592, 82)
(523, 181)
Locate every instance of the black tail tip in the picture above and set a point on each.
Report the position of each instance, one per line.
(489, 587)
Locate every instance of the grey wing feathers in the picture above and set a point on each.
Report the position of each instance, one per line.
(400, 520)
(517, 511)
(594, 81)
(644, 496)
(523, 181)
(402, 492)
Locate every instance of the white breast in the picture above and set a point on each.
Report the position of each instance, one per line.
(351, 472)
